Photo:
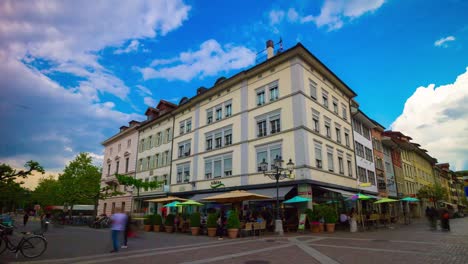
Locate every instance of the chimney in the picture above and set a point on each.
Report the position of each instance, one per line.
(270, 49)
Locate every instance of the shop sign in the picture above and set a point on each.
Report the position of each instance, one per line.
(216, 184)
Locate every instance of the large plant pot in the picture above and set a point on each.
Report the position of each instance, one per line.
(315, 228)
(232, 233)
(156, 228)
(322, 227)
(211, 231)
(330, 228)
(147, 228)
(169, 229)
(195, 230)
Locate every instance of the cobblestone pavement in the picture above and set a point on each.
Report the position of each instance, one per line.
(413, 243)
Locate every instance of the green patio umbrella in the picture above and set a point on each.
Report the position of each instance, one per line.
(173, 204)
(410, 199)
(385, 200)
(298, 199)
(359, 196)
(190, 202)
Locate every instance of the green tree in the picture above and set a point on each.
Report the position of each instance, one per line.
(80, 181)
(48, 192)
(12, 194)
(434, 193)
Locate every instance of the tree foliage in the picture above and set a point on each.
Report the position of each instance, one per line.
(138, 184)
(12, 194)
(47, 192)
(434, 193)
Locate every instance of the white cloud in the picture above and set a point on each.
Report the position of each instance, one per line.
(150, 101)
(443, 41)
(142, 90)
(66, 37)
(276, 17)
(68, 149)
(209, 60)
(132, 46)
(436, 118)
(333, 13)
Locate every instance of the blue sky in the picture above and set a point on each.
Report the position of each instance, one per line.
(71, 74)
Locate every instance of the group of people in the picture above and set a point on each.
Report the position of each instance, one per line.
(433, 215)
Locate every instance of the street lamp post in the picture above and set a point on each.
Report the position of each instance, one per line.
(277, 173)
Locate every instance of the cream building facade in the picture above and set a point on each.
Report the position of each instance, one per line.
(291, 106)
(120, 154)
(155, 153)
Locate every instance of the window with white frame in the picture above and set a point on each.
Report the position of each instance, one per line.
(359, 149)
(158, 138)
(330, 159)
(185, 126)
(357, 126)
(145, 164)
(260, 97)
(344, 111)
(318, 155)
(274, 91)
(127, 160)
(369, 156)
(388, 167)
(316, 120)
(350, 165)
(151, 162)
(362, 174)
(313, 89)
(346, 136)
(183, 172)
(268, 153)
(219, 166)
(371, 177)
(268, 123)
(325, 98)
(338, 133)
(184, 149)
(209, 116)
(366, 132)
(148, 162)
(275, 124)
(340, 162)
(108, 169)
(150, 139)
(168, 134)
(140, 146)
(140, 164)
(218, 138)
(167, 160)
(228, 110)
(327, 127)
(129, 143)
(228, 137)
(335, 105)
(157, 161)
(379, 163)
(219, 113)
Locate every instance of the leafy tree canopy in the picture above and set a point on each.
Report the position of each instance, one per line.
(7, 173)
(434, 193)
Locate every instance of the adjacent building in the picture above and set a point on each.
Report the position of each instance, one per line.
(120, 154)
(376, 134)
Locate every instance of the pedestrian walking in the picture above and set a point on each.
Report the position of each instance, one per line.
(118, 222)
(127, 230)
(220, 229)
(444, 220)
(25, 218)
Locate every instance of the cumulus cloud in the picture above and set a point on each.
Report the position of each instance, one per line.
(333, 13)
(436, 118)
(443, 42)
(142, 90)
(132, 46)
(209, 60)
(150, 101)
(45, 37)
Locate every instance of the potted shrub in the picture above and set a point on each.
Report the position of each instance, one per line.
(147, 223)
(211, 224)
(318, 209)
(313, 220)
(157, 223)
(169, 223)
(195, 223)
(330, 217)
(233, 224)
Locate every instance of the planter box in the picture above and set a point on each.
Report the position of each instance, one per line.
(195, 230)
(315, 228)
(169, 229)
(156, 228)
(232, 233)
(211, 231)
(147, 228)
(330, 228)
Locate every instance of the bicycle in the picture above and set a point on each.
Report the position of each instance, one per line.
(30, 245)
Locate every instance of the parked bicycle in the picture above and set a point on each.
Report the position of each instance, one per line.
(31, 245)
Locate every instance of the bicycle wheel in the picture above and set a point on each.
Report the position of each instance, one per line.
(3, 245)
(33, 247)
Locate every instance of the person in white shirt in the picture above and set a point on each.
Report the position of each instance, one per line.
(118, 221)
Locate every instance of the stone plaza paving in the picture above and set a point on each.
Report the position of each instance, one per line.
(413, 243)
